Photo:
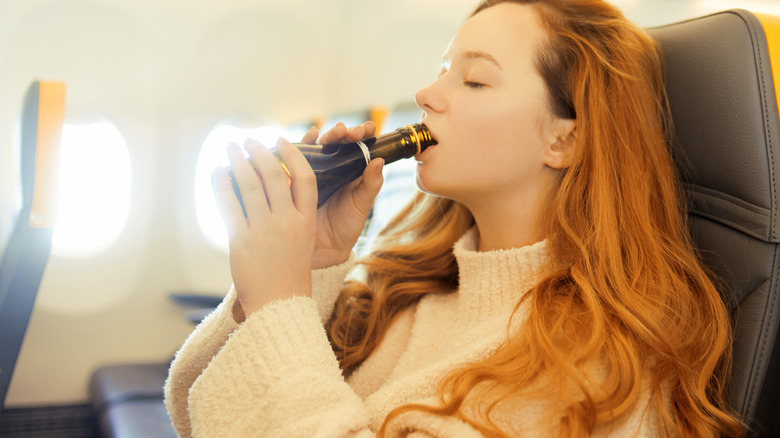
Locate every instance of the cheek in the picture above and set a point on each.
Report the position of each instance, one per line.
(492, 141)
(511, 143)
(510, 103)
(504, 123)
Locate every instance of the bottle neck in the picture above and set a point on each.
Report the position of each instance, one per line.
(404, 142)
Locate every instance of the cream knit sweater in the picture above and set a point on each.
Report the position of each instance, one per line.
(275, 374)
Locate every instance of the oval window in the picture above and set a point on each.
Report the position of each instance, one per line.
(94, 189)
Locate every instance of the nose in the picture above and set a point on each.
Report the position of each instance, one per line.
(429, 99)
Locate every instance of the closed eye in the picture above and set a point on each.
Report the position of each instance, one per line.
(472, 84)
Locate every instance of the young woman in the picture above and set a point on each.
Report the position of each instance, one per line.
(542, 284)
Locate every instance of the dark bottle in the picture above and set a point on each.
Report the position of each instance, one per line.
(335, 165)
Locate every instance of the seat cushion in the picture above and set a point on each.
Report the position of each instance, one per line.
(128, 400)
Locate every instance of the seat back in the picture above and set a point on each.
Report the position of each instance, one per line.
(28, 247)
(723, 102)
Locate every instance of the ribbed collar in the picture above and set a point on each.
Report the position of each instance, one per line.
(493, 282)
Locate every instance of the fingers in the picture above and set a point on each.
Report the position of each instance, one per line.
(229, 208)
(340, 133)
(334, 135)
(264, 183)
(265, 186)
(370, 130)
(274, 181)
(250, 186)
(311, 135)
(304, 183)
(369, 185)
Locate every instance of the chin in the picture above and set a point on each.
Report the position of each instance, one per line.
(420, 184)
(429, 186)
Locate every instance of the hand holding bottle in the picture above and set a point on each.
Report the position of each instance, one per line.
(270, 247)
(279, 235)
(341, 220)
(346, 156)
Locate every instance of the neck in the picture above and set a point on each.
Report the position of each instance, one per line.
(509, 220)
(504, 230)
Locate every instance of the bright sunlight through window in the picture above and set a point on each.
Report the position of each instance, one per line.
(94, 189)
(213, 154)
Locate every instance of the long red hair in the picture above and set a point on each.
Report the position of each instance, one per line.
(629, 290)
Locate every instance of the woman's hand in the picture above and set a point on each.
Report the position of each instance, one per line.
(271, 248)
(341, 220)
(283, 235)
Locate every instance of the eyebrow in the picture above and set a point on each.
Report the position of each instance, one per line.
(482, 55)
(475, 54)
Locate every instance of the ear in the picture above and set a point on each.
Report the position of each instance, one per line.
(560, 148)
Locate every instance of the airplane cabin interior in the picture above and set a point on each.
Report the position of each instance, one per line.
(114, 113)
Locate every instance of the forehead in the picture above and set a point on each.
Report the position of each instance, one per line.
(509, 32)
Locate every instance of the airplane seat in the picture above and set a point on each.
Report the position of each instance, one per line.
(27, 250)
(128, 401)
(720, 79)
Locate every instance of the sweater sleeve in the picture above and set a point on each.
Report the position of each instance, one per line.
(277, 376)
(326, 285)
(193, 357)
(213, 332)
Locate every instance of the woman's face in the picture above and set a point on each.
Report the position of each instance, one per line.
(488, 110)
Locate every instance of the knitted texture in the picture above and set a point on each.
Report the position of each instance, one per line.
(275, 374)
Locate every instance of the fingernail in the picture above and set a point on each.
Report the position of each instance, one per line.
(380, 166)
(252, 145)
(280, 141)
(250, 142)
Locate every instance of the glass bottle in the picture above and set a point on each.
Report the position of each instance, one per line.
(336, 165)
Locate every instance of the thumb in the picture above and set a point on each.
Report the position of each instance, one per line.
(369, 186)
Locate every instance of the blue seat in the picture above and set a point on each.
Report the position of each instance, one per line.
(27, 251)
(128, 401)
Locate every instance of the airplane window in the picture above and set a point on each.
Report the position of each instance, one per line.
(94, 189)
(213, 154)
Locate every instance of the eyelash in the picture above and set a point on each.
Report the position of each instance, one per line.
(471, 84)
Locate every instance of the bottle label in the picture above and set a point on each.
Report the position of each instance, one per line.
(366, 152)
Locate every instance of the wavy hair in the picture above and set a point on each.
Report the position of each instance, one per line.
(628, 289)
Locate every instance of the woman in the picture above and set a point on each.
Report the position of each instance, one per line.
(543, 283)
